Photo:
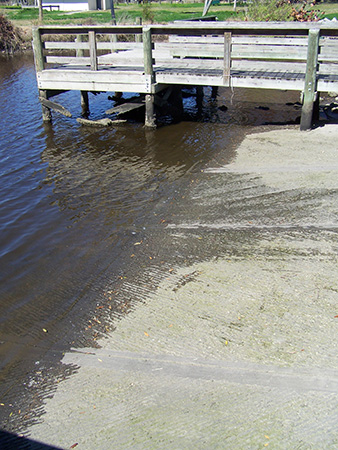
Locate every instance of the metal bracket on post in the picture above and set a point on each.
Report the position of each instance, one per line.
(310, 86)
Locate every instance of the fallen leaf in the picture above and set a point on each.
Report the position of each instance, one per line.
(146, 333)
(74, 445)
(138, 243)
(336, 316)
(99, 359)
(266, 436)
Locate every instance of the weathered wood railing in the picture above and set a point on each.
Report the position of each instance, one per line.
(288, 56)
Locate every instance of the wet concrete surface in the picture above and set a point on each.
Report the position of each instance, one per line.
(237, 346)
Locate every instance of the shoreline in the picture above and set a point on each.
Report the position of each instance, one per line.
(223, 350)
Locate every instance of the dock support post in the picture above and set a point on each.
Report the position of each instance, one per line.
(46, 112)
(84, 103)
(199, 99)
(214, 92)
(309, 96)
(150, 120)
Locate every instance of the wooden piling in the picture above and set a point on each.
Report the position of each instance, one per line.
(310, 87)
(150, 119)
(46, 112)
(84, 103)
(214, 92)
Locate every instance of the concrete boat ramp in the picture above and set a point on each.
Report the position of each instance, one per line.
(238, 349)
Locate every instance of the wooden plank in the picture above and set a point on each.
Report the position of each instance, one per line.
(96, 86)
(82, 75)
(247, 40)
(328, 69)
(125, 108)
(64, 45)
(92, 50)
(99, 123)
(238, 64)
(84, 60)
(77, 45)
(85, 29)
(54, 106)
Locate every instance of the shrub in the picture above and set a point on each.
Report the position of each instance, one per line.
(10, 39)
(306, 13)
(269, 10)
(147, 13)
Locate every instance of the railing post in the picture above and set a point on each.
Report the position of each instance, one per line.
(79, 51)
(38, 50)
(310, 87)
(138, 37)
(39, 67)
(148, 53)
(150, 121)
(227, 59)
(92, 50)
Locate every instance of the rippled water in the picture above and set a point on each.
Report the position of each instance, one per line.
(72, 199)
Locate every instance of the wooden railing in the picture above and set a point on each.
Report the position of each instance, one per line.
(295, 56)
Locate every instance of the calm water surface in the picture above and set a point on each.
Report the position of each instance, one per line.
(73, 199)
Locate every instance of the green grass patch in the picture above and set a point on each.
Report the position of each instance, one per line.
(127, 13)
(331, 16)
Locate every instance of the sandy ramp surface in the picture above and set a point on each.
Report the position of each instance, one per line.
(239, 349)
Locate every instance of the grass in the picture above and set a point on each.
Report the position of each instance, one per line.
(127, 13)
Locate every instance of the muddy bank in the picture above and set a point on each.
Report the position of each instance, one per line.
(237, 346)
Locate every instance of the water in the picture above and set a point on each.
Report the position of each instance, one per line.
(74, 200)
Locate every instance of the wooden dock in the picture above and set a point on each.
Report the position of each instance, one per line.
(149, 59)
